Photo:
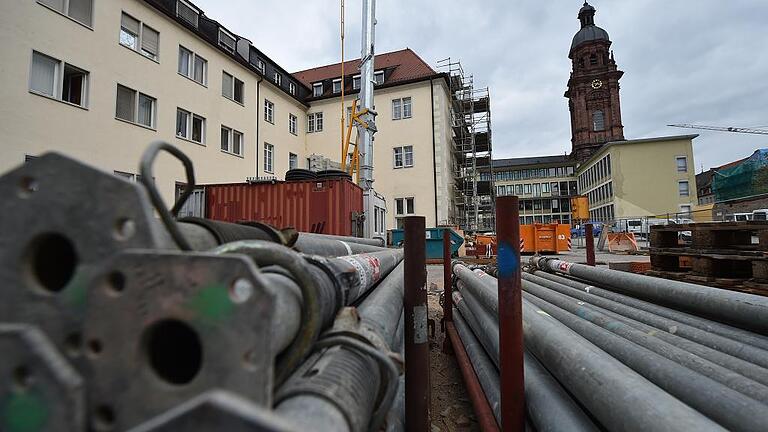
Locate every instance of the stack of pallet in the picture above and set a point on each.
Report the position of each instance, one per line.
(732, 255)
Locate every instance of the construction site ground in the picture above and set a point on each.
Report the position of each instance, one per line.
(450, 408)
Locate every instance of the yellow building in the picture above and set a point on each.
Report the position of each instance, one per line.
(100, 80)
(639, 178)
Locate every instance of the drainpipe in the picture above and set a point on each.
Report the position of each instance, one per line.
(434, 150)
(258, 120)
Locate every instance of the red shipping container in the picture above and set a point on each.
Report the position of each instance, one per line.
(321, 206)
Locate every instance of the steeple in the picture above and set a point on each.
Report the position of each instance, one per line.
(587, 15)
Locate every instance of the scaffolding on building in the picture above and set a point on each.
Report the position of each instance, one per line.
(472, 150)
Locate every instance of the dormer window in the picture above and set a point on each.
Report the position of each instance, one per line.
(356, 82)
(227, 40)
(260, 66)
(292, 88)
(278, 78)
(187, 12)
(337, 85)
(378, 77)
(317, 89)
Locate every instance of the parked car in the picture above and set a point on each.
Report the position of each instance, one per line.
(580, 230)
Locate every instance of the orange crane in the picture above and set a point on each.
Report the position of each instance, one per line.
(722, 129)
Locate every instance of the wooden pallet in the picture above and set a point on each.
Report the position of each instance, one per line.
(742, 285)
(713, 235)
(714, 263)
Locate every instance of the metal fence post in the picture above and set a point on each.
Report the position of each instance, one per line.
(416, 339)
(589, 237)
(510, 315)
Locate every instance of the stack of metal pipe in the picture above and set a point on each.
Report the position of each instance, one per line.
(112, 320)
(611, 350)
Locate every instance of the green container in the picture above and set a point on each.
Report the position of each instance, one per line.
(434, 239)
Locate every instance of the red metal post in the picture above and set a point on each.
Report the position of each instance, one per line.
(447, 288)
(416, 339)
(510, 315)
(483, 411)
(590, 239)
(448, 302)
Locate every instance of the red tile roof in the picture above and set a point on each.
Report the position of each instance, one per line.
(406, 65)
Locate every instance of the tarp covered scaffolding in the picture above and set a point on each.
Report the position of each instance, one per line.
(748, 178)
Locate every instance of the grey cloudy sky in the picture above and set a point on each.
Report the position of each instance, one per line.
(685, 61)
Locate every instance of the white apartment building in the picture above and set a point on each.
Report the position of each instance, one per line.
(100, 80)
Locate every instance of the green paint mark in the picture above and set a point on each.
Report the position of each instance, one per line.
(76, 292)
(211, 303)
(24, 412)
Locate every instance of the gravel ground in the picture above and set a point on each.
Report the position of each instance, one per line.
(450, 408)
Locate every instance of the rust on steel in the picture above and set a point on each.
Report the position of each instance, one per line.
(510, 315)
(416, 338)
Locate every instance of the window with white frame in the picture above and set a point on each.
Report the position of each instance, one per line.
(79, 10)
(139, 37)
(317, 89)
(315, 122)
(403, 157)
(527, 189)
(190, 126)
(193, 66)
(685, 209)
(260, 66)
(59, 80)
(227, 40)
(682, 163)
(130, 176)
(356, 82)
(378, 77)
(269, 111)
(231, 141)
(404, 206)
(278, 78)
(401, 108)
(232, 88)
(337, 85)
(187, 12)
(269, 154)
(293, 124)
(683, 188)
(292, 88)
(135, 107)
(293, 161)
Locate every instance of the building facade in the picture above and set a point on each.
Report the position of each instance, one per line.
(118, 75)
(639, 178)
(544, 184)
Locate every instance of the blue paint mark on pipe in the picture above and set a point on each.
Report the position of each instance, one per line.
(507, 261)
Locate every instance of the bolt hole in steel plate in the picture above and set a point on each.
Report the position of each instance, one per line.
(40, 390)
(183, 324)
(59, 218)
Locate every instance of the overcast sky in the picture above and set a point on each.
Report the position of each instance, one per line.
(685, 61)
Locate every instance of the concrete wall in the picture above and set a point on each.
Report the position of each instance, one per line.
(645, 177)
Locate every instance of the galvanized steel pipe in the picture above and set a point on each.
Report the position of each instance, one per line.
(728, 407)
(724, 330)
(740, 309)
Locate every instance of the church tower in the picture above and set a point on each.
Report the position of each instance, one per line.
(593, 89)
